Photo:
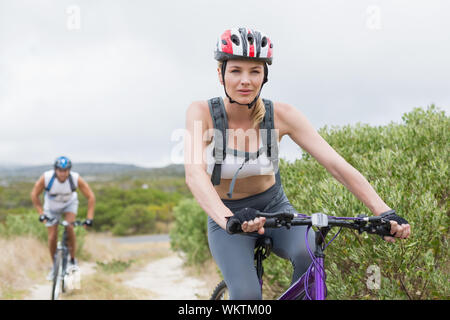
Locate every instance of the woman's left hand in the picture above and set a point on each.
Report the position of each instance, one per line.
(398, 231)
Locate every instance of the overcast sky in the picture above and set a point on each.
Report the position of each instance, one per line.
(110, 80)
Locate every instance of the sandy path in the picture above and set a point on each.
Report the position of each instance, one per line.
(43, 291)
(165, 279)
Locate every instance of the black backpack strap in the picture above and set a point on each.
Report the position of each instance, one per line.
(50, 183)
(220, 122)
(52, 179)
(270, 138)
(72, 185)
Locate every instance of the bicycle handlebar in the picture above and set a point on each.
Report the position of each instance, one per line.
(63, 222)
(362, 223)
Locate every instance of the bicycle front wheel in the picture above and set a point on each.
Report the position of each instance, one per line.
(57, 276)
(220, 292)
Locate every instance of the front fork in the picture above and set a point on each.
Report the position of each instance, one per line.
(62, 247)
(319, 271)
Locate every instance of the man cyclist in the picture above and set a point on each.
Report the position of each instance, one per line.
(60, 199)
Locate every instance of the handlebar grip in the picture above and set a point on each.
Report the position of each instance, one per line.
(44, 217)
(384, 230)
(279, 215)
(233, 226)
(271, 223)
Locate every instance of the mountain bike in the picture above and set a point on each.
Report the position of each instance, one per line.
(61, 273)
(312, 284)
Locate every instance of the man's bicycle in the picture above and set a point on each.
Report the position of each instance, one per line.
(311, 285)
(61, 274)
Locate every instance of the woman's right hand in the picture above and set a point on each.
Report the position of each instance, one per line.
(256, 224)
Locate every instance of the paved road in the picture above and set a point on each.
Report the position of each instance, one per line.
(144, 238)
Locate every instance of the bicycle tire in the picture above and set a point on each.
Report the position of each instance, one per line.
(57, 270)
(63, 272)
(220, 292)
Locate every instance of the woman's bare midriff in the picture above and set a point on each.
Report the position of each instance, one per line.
(245, 187)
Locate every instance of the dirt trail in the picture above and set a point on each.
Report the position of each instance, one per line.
(167, 280)
(42, 291)
(162, 278)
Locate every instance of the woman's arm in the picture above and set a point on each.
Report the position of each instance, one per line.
(197, 179)
(293, 123)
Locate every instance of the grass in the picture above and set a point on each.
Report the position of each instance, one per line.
(208, 272)
(115, 266)
(9, 293)
(103, 286)
(22, 258)
(106, 265)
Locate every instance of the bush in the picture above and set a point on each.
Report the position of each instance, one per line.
(112, 200)
(28, 225)
(23, 224)
(190, 233)
(115, 266)
(136, 219)
(407, 164)
(114, 205)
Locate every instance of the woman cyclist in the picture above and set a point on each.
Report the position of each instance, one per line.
(232, 175)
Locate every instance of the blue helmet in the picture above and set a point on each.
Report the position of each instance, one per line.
(63, 163)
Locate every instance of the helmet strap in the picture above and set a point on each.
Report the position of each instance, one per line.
(251, 104)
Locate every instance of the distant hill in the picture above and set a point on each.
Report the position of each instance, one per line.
(102, 171)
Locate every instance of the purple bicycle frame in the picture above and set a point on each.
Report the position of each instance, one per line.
(311, 284)
(316, 289)
(319, 282)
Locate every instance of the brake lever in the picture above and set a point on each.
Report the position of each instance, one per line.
(381, 227)
(361, 224)
(384, 229)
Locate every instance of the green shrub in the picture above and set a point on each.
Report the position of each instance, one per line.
(189, 233)
(115, 266)
(23, 224)
(112, 199)
(135, 219)
(28, 224)
(407, 164)
(114, 205)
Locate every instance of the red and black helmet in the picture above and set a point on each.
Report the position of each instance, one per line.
(244, 43)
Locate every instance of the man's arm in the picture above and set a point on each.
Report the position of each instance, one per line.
(87, 192)
(39, 186)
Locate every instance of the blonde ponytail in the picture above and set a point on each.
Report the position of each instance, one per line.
(258, 112)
